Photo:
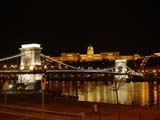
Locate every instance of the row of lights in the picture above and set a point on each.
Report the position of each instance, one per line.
(10, 66)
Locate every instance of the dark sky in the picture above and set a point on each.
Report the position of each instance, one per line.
(126, 26)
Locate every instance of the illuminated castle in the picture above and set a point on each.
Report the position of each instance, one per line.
(91, 56)
(90, 50)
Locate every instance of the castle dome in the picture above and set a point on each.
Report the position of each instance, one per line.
(90, 50)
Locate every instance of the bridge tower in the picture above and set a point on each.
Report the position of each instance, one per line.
(120, 87)
(30, 60)
(121, 67)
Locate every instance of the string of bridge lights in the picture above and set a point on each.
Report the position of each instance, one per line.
(69, 66)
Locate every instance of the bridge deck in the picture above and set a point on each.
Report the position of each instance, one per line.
(65, 71)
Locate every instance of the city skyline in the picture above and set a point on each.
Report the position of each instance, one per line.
(123, 26)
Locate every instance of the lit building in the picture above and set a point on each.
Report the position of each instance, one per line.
(156, 54)
(110, 55)
(91, 56)
(70, 56)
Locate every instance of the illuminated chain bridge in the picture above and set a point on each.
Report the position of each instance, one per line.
(31, 56)
(73, 70)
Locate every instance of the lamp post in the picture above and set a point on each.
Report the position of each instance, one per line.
(43, 87)
(5, 88)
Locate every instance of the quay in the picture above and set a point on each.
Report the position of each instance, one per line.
(104, 111)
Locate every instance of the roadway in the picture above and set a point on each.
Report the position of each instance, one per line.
(68, 71)
(14, 112)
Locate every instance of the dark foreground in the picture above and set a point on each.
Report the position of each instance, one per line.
(29, 107)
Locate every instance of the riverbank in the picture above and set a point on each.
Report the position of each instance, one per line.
(93, 110)
(104, 111)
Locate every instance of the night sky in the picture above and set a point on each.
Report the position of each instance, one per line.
(125, 26)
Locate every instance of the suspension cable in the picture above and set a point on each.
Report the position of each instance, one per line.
(112, 68)
(11, 57)
(58, 61)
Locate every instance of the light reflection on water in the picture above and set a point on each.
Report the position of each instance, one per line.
(138, 93)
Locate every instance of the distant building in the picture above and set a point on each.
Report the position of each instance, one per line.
(91, 56)
(70, 56)
(156, 54)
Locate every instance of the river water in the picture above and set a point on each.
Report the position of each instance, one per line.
(137, 93)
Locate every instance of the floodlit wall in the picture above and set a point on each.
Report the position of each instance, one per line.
(29, 60)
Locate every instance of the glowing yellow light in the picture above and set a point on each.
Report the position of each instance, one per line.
(31, 67)
(22, 67)
(154, 71)
(4, 66)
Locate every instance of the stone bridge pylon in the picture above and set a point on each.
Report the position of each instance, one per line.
(30, 60)
(121, 67)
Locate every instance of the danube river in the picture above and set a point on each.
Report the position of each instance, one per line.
(137, 93)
